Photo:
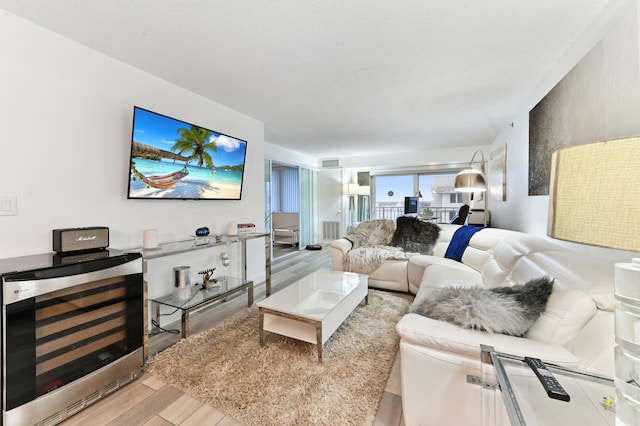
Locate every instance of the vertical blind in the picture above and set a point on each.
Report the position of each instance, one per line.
(285, 189)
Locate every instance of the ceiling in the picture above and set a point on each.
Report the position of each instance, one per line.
(334, 78)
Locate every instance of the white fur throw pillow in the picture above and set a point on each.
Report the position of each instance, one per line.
(507, 310)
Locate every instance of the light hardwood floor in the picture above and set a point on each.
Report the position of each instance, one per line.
(149, 401)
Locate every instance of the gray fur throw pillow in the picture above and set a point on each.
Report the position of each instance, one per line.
(507, 310)
(414, 235)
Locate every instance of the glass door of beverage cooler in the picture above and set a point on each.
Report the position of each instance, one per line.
(63, 323)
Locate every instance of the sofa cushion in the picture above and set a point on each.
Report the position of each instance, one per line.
(507, 310)
(414, 235)
(594, 345)
(431, 271)
(371, 233)
(566, 314)
(450, 339)
(446, 234)
(391, 275)
(572, 304)
(572, 270)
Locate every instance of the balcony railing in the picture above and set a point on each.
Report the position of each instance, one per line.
(437, 214)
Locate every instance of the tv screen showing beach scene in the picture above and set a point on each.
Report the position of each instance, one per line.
(173, 159)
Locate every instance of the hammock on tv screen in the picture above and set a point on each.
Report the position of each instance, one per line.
(164, 181)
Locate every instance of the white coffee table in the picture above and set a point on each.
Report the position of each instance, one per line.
(312, 308)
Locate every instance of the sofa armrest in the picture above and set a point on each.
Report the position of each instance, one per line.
(441, 269)
(439, 335)
(342, 244)
(339, 249)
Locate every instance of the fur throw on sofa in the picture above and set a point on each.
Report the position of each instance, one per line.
(375, 241)
(414, 235)
(507, 310)
(371, 233)
(365, 260)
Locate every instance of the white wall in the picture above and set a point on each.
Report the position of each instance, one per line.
(287, 156)
(519, 212)
(66, 114)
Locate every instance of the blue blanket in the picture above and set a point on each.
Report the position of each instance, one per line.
(460, 241)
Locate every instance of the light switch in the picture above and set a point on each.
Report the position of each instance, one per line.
(8, 205)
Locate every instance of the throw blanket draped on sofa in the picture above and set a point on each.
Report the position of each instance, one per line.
(460, 241)
(365, 260)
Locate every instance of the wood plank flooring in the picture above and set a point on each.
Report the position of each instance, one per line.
(150, 402)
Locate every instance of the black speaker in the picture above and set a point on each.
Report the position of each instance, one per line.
(80, 239)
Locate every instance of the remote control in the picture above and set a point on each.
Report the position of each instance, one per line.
(549, 382)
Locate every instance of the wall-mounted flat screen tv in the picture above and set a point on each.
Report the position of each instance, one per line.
(176, 160)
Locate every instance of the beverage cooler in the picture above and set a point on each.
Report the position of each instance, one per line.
(72, 332)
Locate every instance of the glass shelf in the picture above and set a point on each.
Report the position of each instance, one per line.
(201, 298)
(183, 246)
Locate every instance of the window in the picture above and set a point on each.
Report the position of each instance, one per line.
(438, 200)
(455, 197)
(389, 195)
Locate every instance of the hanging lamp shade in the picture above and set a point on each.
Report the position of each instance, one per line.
(471, 180)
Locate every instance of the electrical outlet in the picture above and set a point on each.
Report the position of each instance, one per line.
(8, 205)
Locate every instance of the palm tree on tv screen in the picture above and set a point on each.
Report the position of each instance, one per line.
(196, 142)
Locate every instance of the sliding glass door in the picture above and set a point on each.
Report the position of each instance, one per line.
(290, 202)
(437, 199)
(308, 229)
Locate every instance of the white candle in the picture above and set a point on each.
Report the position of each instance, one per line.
(150, 238)
(233, 228)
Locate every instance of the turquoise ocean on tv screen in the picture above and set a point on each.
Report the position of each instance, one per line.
(196, 174)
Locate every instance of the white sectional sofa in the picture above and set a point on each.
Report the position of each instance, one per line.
(575, 330)
(392, 274)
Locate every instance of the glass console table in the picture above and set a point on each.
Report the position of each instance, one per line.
(527, 403)
(190, 245)
(203, 297)
(177, 247)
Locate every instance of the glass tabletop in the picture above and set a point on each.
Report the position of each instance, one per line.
(184, 246)
(315, 295)
(592, 396)
(222, 287)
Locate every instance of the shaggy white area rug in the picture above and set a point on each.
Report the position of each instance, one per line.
(282, 383)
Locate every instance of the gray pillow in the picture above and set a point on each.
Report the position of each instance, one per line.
(508, 310)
